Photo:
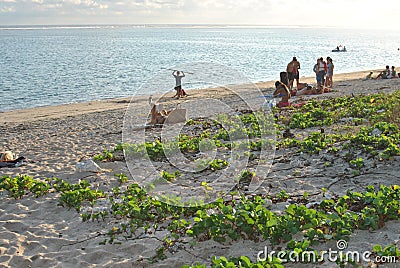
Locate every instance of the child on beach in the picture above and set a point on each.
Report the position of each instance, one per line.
(369, 77)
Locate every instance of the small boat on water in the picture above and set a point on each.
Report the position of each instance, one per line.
(337, 49)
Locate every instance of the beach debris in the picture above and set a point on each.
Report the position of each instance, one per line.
(288, 134)
(88, 166)
(313, 204)
(376, 132)
(346, 119)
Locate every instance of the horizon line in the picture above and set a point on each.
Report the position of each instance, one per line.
(173, 25)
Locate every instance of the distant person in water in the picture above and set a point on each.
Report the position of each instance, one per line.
(178, 83)
(281, 90)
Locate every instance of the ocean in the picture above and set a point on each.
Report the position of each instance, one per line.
(50, 65)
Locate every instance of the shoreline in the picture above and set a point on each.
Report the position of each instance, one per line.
(80, 108)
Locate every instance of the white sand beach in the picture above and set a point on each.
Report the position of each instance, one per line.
(36, 232)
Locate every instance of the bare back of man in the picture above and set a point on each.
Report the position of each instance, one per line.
(290, 74)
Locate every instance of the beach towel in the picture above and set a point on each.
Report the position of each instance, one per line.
(176, 116)
(300, 104)
(282, 104)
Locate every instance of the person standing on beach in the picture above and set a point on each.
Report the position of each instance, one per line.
(290, 74)
(316, 71)
(296, 67)
(178, 83)
(322, 71)
(329, 73)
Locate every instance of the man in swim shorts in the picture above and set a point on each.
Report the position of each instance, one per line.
(290, 74)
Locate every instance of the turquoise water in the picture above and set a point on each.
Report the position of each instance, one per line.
(51, 65)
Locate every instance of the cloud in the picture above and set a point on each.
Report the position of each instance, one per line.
(7, 9)
(355, 13)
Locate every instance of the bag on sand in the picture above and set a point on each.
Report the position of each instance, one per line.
(284, 78)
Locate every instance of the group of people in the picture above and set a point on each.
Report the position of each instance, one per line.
(385, 74)
(284, 88)
(180, 92)
(324, 73)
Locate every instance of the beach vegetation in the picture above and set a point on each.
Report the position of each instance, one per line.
(229, 220)
(21, 185)
(366, 127)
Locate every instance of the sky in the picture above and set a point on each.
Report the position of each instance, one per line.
(325, 13)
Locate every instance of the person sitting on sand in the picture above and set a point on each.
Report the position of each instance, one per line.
(7, 159)
(369, 77)
(281, 90)
(6, 156)
(158, 117)
(392, 73)
(384, 74)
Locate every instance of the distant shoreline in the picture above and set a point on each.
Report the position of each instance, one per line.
(146, 25)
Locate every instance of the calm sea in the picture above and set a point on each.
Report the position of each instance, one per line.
(49, 65)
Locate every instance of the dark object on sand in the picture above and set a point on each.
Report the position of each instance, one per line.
(288, 134)
(284, 78)
(12, 163)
